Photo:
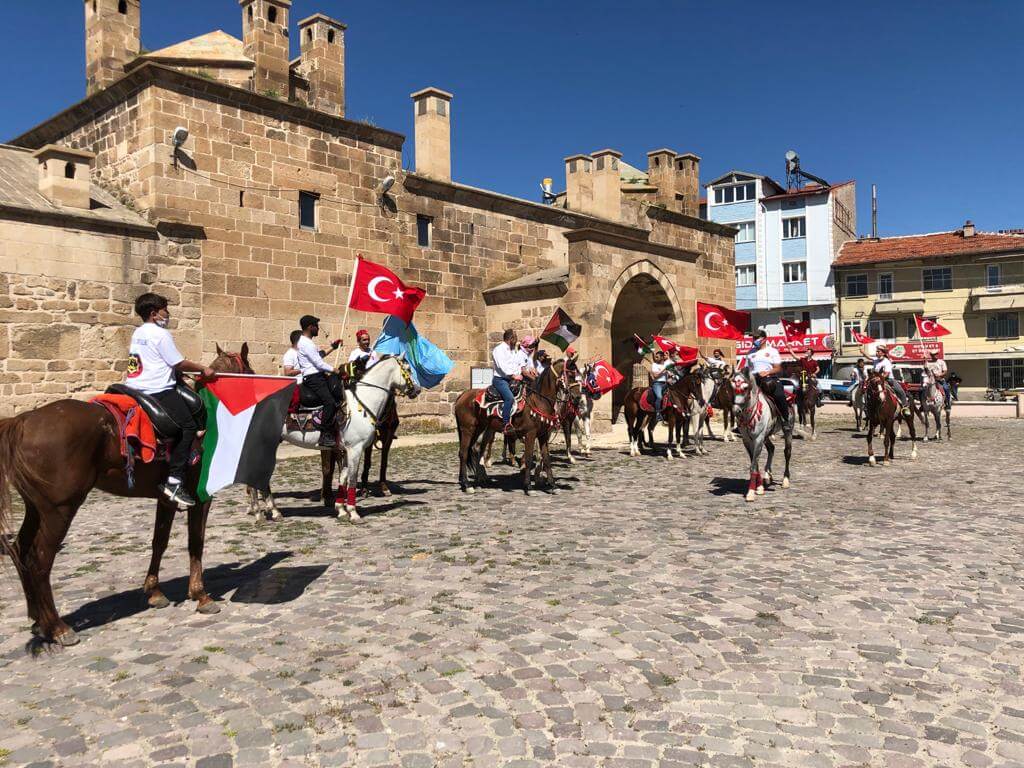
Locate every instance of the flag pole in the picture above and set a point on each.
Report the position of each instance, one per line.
(348, 303)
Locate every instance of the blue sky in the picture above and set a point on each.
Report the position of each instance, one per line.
(921, 98)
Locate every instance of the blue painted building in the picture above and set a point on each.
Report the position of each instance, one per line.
(787, 241)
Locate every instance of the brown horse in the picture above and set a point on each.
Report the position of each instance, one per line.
(76, 444)
(883, 410)
(532, 425)
(807, 402)
(387, 428)
(722, 399)
(672, 413)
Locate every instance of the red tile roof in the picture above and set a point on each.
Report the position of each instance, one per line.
(810, 189)
(935, 246)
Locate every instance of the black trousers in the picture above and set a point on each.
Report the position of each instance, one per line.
(774, 389)
(178, 410)
(317, 384)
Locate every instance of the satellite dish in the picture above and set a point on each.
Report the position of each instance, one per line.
(791, 156)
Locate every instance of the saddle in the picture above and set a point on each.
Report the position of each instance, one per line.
(166, 427)
(647, 401)
(490, 402)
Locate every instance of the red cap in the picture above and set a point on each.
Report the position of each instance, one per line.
(362, 332)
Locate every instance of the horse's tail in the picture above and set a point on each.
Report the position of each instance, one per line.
(15, 472)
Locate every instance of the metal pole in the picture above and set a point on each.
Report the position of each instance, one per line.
(874, 211)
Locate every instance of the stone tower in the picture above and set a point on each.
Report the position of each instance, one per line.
(112, 29)
(432, 109)
(322, 41)
(265, 38)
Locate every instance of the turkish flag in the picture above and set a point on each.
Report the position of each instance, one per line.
(604, 378)
(795, 329)
(861, 338)
(715, 322)
(929, 328)
(684, 353)
(378, 289)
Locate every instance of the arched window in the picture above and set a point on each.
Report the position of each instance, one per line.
(330, 36)
(309, 35)
(272, 14)
(122, 7)
(69, 171)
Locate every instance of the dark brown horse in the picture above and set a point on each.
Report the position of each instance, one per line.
(387, 428)
(53, 457)
(637, 419)
(532, 425)
(882, 410)
(722, 399)
(807, 402)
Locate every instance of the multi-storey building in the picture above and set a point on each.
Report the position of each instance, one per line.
(251, 215)
(786, 242)
(971, 282)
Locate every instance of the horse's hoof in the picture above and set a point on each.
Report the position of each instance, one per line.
(767, 479)
(207, 607)
(67, 638)
(751, 496)
(759, 490)
(887, 462)
(276, 514)
(385, 491)
(158, 600)
(871, 460)
(469, 489)
(913, 454)
(36, 630)
(785, 482)
(529, 492)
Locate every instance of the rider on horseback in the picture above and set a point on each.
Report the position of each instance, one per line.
(808, 370)
(659, 380)
(508, 367)
(315, 372)
(363, 350)
(765, 362)
(883, 367)
(153, 363)
(939, 371)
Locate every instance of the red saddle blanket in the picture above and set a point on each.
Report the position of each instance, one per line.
(133, 425)
(647, 402)
(493, 407)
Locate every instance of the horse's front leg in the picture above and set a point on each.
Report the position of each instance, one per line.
(586, 432)
(197, 516)
(161, 534)
(546, 462)
(528, 440)
(814, 429)
(871, 439)
(787, 452)
(766, 478)
(353, 458)
(754, 451)
(327, 461)
(270, 504)
(567, 425)
(385, 451)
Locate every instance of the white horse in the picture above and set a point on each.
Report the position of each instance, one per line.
(933, 401)
(856, 394)
(757, 423)
(707, 388)
(365, 402)
(581, 427)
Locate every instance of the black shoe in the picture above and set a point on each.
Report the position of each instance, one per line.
(176, 494)
(327, 440)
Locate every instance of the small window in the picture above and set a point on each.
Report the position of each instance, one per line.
(657, 161)
(1003, 325)
(69, 170)
(849, 326)
(856, 285)
(249, 15)
(600, 163)
(272, 14)
(937, 279)
(122, 7)
(794, 272)
(679, 165)
(794, 227)
(885, 285)
(241, 198)
(882, 330)
(746, 275)
(1006, 374)
(424, 225)
(307, 210)
(330, 37)
(442, 107)
(309, 34)
(993, 276)
(572, 166)
(746, 231)
(421, 107)
(730, 194)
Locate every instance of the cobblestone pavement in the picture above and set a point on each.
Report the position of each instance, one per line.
(644, 615)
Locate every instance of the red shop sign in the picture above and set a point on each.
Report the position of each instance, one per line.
(812, 342)
(914, 351)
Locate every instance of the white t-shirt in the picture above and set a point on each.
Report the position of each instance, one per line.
(151, 359)
(507, 362)
(658, 371)
(718, 363)
(358, 354)
(936, 368)
(310, 361)
(291, 360)
(883, 365)
(764, 359)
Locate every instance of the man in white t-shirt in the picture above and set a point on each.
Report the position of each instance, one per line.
(153, 362)
(659, 380)
(363, 350)
(290, 359)
(766, 364)
(315, 371)
(884, 368)
(939, 371)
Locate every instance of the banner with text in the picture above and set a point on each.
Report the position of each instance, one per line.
(822, 344)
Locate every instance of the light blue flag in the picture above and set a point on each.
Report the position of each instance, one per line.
(428, 363)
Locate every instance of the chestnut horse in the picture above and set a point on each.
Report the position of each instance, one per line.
(532, 425)
(637, 419)
(883, 410)
(53, 457)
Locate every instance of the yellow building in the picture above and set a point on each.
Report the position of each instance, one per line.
(971, 282)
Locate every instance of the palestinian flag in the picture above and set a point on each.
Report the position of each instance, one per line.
(643, 348)
(244, 416)
(561, 331)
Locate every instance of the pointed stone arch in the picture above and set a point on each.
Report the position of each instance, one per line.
(652, 271)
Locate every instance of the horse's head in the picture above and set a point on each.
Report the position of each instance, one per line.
(741, 386)
(232, 362)
(400, 378)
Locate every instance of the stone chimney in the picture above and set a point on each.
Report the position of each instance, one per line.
(265, 41)
(64, 175)
(969, 228)
(607, 185)
(112, 29)
(579, 183)
(432, 118)
(322, 41)
(661, 173)
(688, 183)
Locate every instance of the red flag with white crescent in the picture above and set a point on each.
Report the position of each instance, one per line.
(861, 338)
(795, 330)
(929, 328)
(606, 377)
(378, 289)
(716, 322)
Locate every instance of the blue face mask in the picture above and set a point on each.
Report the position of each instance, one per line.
(758, 342)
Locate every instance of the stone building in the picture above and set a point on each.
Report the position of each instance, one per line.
(256, 218)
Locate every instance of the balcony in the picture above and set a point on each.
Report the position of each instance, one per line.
(996, 297)
(899, 306)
